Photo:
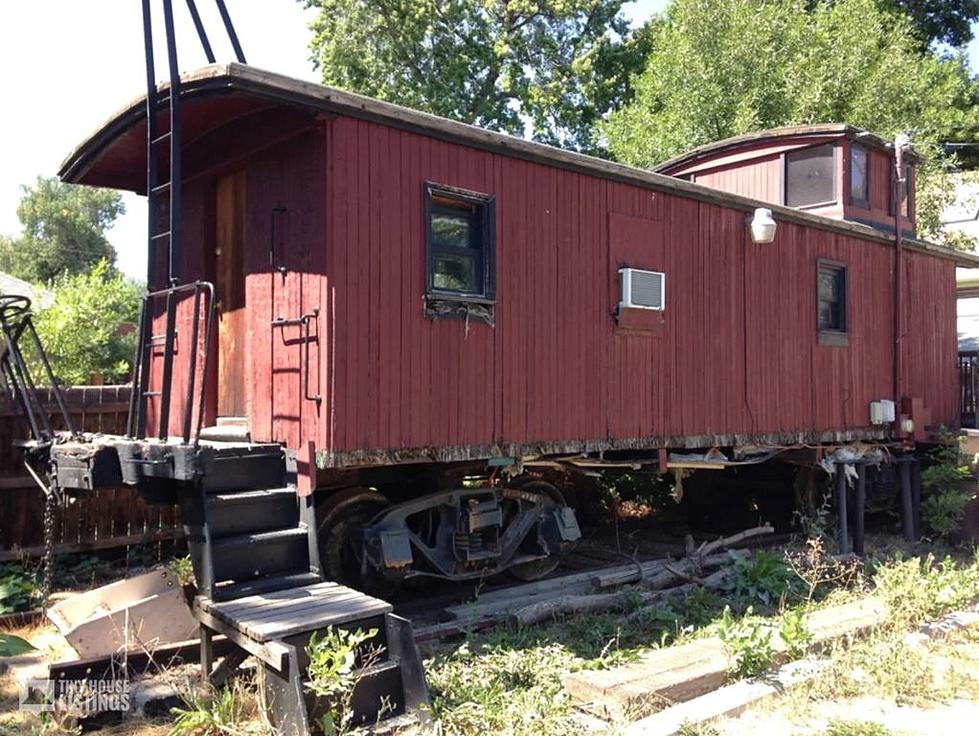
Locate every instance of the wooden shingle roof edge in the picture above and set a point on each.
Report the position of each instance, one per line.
(828, 130)
(249, 80)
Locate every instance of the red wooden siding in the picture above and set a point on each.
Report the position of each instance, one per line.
(735, 352)
(283, 279)
(881, 167)
(762, 179)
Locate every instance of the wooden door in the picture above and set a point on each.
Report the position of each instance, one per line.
(230, 287)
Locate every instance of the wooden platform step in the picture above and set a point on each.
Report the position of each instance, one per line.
(276, 615)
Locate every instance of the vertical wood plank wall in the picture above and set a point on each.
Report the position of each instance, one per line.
(736, 353)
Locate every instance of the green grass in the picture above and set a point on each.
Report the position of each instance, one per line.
(510, 683)
(857, 728)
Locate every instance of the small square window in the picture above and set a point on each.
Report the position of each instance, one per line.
(831, 315)
(860, 176)
(810, 176)
(460, 243)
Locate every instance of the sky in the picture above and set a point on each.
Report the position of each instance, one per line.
(68, 65)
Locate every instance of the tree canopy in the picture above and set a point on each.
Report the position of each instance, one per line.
(88, 330)
(944, 21)
(63, 230)
(719, 68)
(553, 68)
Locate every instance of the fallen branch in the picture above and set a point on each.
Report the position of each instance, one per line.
(651, 595)
(575, 604)
(706, 549)
(658, 577)
(687, 569)
(683, 575)
(715, 581)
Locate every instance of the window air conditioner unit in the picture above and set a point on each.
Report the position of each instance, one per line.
(642, 289)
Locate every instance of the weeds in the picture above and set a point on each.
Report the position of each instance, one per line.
(18, 592)
(883, 666)
(819, 573)
(332, 673)
(944, 511)
(696, 729)
(794, 634)
(917, 589)
(765, 577)
(226, 712)
(747, 642)
(498, 689)
(510, 683)
(182, 568)
(856, 728)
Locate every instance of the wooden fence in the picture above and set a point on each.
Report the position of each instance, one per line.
(93, 521)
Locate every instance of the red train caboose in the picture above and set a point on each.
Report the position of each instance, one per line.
(402, 300)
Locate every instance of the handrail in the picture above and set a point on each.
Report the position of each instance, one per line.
(15, 374)
(203, 295)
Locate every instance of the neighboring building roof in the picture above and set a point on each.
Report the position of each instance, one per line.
(114, 155)
(11, 285)
(829, 130)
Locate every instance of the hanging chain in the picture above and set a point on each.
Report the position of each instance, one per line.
(50, 503)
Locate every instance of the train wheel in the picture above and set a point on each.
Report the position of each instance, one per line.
(537, 569)
(341, 519)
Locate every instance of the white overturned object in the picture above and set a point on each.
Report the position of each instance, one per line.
(137, 614)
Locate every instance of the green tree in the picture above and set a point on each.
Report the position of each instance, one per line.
(63, 230)
(945, 21)
(553, 67)
(720, 68)
(89, 330)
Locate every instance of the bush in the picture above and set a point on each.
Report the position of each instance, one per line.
(764, 577)
(17, 590)
(89, 329)
(943, 510)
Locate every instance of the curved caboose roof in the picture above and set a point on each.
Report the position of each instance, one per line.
(217, 95)
(773, 137)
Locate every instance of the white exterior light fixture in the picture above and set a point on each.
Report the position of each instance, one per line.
(762, 225)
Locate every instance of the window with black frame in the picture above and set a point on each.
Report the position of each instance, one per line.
(459, 243)
(832, 303)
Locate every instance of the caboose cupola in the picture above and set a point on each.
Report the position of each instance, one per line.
(832, 170)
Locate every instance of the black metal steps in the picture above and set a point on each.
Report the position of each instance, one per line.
(251, 511)
(261, 554)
